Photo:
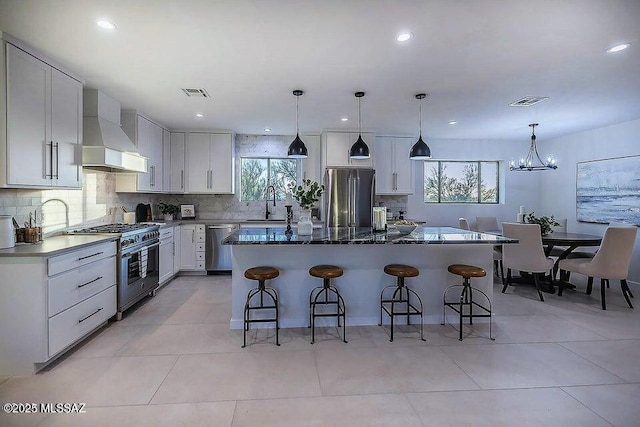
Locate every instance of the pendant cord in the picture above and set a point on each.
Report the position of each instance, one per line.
(297, 128)
(420, 117)
(359, 120)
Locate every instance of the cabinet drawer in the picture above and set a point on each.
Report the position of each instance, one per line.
(166, 232)
(72, 324)
(200, 265)
(60, 263)
(200, 238)
(74, 286)
(199, 228)
(199, 256)
(200, 247)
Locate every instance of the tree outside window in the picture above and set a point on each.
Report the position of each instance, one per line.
(461, 182)
(258, 173)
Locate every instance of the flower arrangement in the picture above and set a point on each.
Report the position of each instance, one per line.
(168, 209)
(545, 222)
(306, 194)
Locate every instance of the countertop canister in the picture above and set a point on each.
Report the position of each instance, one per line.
(7, 232)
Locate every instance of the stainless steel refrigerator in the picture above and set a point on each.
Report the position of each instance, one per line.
(349, 196)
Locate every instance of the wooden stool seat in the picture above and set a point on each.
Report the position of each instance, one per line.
(466, 271)
(326, 271)
(401, 270)
(261, 273)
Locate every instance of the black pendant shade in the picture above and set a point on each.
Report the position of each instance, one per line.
(420, 150)
(359, 150)
(297, 149)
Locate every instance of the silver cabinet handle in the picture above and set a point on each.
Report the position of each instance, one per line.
(48, 160)
(89, 256)
(193, 233)
(182, 179)
(92, 314)
(90, 282)
(57, 162)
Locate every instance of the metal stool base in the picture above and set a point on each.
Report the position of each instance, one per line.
(466, 300)
(388, 306)
(314, 299)
(260, 292)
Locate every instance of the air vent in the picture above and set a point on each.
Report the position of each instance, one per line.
(196, 93)
(528, 101)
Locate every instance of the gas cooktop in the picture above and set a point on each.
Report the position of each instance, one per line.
(114, 228)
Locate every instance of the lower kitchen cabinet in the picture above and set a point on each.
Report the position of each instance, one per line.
(167, 254)
(177, 249)
(48, 304)
(192, 247)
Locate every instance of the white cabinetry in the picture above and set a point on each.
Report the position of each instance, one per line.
(192, 250)
(336, 146)
(177, 163)
(311, 167)
(52, 303)
(177, 248)
(166, 161)
(40, 141)
(167, 253)
(210, 163)
(394, 169)
(147, 136)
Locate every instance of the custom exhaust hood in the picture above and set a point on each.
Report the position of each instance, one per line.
(105, 146)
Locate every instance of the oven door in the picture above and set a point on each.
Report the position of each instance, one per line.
(139, 274)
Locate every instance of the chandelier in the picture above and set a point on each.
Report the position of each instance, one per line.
(533, 162)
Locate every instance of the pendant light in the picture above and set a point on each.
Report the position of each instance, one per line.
(420, 150)
(529, 163)
(359, 150)
(297, 149)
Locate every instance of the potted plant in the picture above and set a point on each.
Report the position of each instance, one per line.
(545, 222)
(306, 195)
(168, 210)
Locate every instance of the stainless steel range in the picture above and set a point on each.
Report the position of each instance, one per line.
(137, 260)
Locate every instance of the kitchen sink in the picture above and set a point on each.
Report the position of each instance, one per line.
(265, 220)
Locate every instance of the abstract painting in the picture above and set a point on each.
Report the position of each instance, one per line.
(609, 190)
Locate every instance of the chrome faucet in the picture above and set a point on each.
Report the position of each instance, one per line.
(266, 201)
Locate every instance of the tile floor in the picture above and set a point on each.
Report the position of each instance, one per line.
(174, 361)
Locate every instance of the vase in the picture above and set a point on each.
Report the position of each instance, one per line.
(168, 217)
(305, 226)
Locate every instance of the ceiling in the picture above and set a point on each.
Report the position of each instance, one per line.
(473, 58)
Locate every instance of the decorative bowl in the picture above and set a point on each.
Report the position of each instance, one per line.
(405, 229)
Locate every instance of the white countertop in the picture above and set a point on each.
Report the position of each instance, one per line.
(55, 245)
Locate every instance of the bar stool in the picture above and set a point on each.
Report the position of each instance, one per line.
(260, 274)
(401, 271)
(326, 273)
(466, 296)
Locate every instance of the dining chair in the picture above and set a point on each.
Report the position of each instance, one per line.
(487, 223)
(611, 262)
(497, 250)
(527, 255)
(464, 224)
(561, 228)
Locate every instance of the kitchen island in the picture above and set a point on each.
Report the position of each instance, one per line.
(362, 254)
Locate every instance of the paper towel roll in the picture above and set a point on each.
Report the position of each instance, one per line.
(129, 217)
(7, 232)
(522, 211)
(520, 218)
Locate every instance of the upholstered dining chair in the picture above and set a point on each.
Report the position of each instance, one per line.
(463, 223)
(562, 228)
(611, 262)
(486, 223)
(527, 255)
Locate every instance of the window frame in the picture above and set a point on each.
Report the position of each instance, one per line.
(479, 192)
(298, 164)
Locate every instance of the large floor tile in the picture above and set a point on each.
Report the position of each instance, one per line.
(543, 328)
(108, 340)
(184, 339)
(214, 414)
(526, 365)
(621, 358)
(618, 404)
(612, 324)
(388, 370)
(490, 408)
(245, 375)
(353, 411)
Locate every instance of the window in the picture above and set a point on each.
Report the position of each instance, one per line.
(258, 173)
(461, 182)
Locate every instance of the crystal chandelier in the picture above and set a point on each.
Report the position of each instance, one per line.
(533, 162)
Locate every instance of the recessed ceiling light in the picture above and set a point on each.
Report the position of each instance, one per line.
(618, 48)
(199, 115)
(453, 122)
(107, 25)
(344, 119)
(403, 37)
(267, 129)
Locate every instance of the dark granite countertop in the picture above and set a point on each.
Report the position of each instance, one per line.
(346, 235)
(56, 245)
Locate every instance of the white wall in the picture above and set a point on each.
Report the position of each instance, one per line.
(558, 189)
(517, 188)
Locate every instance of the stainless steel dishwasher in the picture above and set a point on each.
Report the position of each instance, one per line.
(217, 255)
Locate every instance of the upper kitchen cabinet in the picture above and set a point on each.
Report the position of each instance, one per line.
(311, 167)
(210, 163)
(148, 138)
(336, 146)
(394, 169)
(41, 122)
(166, 161)
(177, 178)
